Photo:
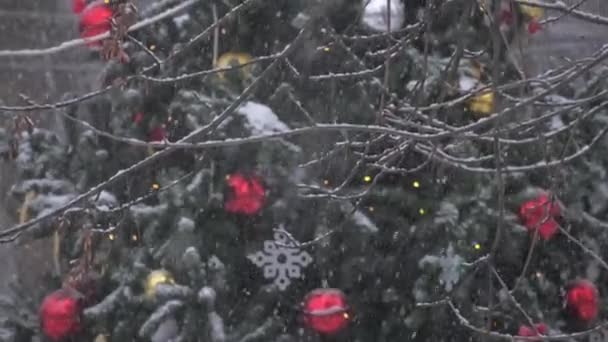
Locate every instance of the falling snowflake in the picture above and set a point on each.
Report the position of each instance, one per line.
(281, 259)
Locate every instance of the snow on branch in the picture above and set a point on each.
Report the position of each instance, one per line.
(79, 42)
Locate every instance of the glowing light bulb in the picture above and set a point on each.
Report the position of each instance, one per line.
(111, 237)
(416, 184)
(367, 179)
(477, 246)
(326, 182)
(421, 211)
(155, 186)
(371, 208)
(134, 237)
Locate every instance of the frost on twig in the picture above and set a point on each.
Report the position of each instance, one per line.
(158, 316)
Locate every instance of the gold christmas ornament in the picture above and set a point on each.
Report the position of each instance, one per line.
(232, 59)
(482, 104)
(155, 278)
(532, 12)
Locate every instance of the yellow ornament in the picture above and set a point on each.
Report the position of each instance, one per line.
(482, 104)
(532, 12)
(155, 278)
(232, 59)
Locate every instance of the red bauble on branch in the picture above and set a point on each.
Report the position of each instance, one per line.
(60, 314)
(325, 311)
(507, 16)
(534, 26)
(582, 301)
(95, 19)
(137, 118)
(541, 213)
(527, 331)
(246, 194)
(157, 134)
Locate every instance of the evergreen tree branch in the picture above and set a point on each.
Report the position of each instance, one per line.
(261, 332)
(583, 247)
(158, 316)
(196, 134)
(106, 306)
(514, 300)
(145, 49)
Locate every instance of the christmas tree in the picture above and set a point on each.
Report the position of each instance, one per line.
(338, 170)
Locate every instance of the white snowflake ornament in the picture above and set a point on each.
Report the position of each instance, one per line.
(282, 260)
(375, 14)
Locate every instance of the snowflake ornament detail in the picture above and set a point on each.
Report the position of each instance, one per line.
(282, 259)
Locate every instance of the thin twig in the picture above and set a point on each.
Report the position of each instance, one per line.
(79, 42)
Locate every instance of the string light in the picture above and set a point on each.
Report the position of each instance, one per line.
(155, 186)
(111, 237)
(346, 316)
(416, 184)
(421, 211)
(371, 209)
(326, 49)
(152, 47)
(367, 179)
(477, 246)
(326, 182)
(134, 237)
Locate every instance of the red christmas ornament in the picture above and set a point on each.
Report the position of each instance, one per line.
(60, 314)
(247, 195)
(138, 118)
(325, 311)
(94, 20)
(534, 26)
(540, 213)
(582, 301)
(157, 133)
(526, 331)
(507, 17)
